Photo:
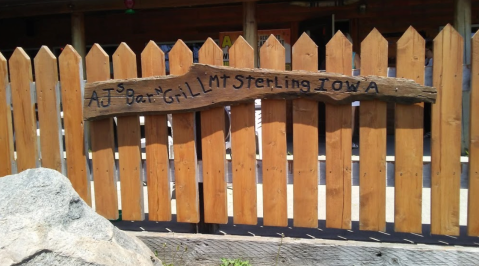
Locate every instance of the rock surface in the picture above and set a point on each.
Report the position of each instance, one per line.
(43, 221)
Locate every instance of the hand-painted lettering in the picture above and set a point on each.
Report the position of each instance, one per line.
(94, 97)
(337, 85)
(224, 78)
(240, 79)
(108, 96)
(167, 99)
(372, 85)
(321, 87)
(121, 88)
(130, 96)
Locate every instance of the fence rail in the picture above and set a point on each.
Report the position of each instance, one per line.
(21, 100)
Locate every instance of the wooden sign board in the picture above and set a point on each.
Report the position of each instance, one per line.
(206, 86)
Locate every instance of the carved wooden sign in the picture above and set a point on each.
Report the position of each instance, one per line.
(206, 86)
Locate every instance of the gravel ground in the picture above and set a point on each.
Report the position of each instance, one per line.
(197, 249)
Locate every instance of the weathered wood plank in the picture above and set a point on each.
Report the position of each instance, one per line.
(473, 200)
(187, 197)
(446, 132)
(273, 115)
(24, 115)
(243, 148)
(71, 79)
(156, 135)
(213, 147)
(305, 126)
(338, 140)
(128, 130)
(6, 127)
(102, 141)
(205, 86)
(372, 139)
(409, 122)
(48, 101)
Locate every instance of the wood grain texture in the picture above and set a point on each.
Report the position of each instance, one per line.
(102, 142)
(71, 79)
(338, 140)
(128, 133)
(273, 115)
(213, 147)
(156, 135)
(243, 148)
(207, 86)
(6, 127)
(48, 102)
(473, 199)
(409, 123)
(372, 139)
(446, 132)
(24, 117)
(187, 197)
(305, 127)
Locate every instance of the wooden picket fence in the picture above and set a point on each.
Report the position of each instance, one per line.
(19, 93)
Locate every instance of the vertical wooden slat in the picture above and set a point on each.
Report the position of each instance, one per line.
(128, 129)
(338, 140)
(213, 146)
(48, 99)
(473, 201)
(24, 110)
(102, 141)
(372, 142)
(273, 114)
(156, 135)
(446, 132)
(71, 79)
(243, 149)
(187, 198)
(409, 138)
(6, 131)
(305, 126)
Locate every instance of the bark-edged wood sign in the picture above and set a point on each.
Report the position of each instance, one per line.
(206, 86)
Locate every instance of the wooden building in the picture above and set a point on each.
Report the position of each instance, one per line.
(33, 23)
(30, 23)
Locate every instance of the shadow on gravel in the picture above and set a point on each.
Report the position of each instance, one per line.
(321, 232)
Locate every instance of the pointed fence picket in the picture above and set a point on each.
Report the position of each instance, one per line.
(372, 139)
(48, 99)
(305, 126)
(71, 80)
(184, 147)
(23, 103)
(128, 132)
(156, 135)
(273, 114)
(243, 148)
(473, 211)
(338, 140)
(409, 122)
(27, 97)
(213, 145)
(6, 128)
(102, 141)
(446, 132)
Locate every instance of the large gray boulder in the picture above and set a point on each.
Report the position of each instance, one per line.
(43, 221)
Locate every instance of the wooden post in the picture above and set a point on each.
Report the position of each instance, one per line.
(462, 23)
(78, 42)
(78, 35)
(250, 27)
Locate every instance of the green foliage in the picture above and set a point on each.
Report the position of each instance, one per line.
(235, 262)
(177, 256)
